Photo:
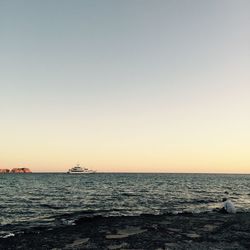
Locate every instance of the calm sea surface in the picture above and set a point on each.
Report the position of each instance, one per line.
(45, 199)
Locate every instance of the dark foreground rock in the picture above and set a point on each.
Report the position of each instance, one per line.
(201, 231)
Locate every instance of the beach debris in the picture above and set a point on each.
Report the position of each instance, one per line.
(68, 222)
(8, 235)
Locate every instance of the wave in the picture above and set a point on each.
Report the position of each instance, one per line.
(197, 201)
(51, 206)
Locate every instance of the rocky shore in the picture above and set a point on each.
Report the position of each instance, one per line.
(185, 231)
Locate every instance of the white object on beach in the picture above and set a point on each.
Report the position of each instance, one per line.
(229, 207)
(8, 235)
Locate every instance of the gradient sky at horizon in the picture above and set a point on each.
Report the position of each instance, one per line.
(142, 86)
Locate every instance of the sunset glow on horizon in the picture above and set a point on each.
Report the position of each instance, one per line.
(125, 86)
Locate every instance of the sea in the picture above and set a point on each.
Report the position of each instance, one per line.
(53, 199)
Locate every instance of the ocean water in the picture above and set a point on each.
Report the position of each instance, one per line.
(50, 199)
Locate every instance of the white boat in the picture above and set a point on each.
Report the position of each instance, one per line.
(79, 170)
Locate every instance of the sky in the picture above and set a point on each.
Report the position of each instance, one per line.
(125, 86)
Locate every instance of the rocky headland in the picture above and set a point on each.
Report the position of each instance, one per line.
(15, 170)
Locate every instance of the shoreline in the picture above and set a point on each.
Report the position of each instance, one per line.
(183, 231)
(170, 173)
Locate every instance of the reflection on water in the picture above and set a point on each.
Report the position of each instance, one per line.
(38, 198)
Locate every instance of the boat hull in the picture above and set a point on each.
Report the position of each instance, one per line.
(80, 172)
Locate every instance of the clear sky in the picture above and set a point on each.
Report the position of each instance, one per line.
(147, 86)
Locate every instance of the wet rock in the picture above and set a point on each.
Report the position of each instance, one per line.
(77, 243)
(210, 228)
(192, 235)
(179, 233)
(171, 246)
(124, 233)
(176, 230)
(114, 247)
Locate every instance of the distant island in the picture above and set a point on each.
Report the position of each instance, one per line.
(15, 171)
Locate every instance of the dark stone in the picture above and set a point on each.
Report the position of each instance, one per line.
(199, 231)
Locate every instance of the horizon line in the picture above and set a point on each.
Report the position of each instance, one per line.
(124, 172)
